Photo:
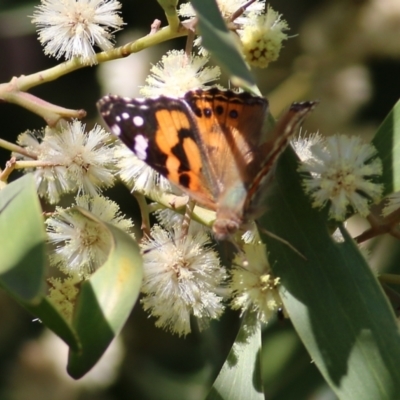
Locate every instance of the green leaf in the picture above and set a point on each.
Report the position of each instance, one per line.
(48, 314)
(222, 45)
(387, 142)
(240, 376)
(23, 240)
(105, 301)
(334, 301)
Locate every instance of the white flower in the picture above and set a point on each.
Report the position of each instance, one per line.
(73, 27)
(302, 145)
(262, 38)
(50, 181)
(253, 285)
(88, 158)
(251, 235)
(76, 161)
(169, 219)
(392, 204)
(182, 277)
(137, 175)
(342, 171)
(178, 73)
(81, 244)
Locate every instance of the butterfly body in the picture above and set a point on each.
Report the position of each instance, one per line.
(210, 143)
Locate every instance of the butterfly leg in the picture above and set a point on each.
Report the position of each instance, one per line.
(187, 217)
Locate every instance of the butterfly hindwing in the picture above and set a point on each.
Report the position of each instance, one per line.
(230, 124)
(270, 151)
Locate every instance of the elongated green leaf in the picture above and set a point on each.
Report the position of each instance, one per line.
(333, 299)
(48, 315)
(240, 376)
(105, 301)
(22, 238)
(222, 45)
(387, 141)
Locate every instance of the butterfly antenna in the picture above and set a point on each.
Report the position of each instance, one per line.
(241, 10)
(285, 242)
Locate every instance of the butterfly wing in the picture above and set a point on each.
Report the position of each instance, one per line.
(270, 151)
(163, 133)
(233, 211)
(230, 127)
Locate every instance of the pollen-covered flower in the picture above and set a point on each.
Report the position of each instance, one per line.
(342, 170)
(81, 244)
(50, 180)
(182, 278)
(169, 219)
(253, 285)
(63, 294)
(262, 38)
(71, 159)
(178, 73)
(137, 175)
(73, 27)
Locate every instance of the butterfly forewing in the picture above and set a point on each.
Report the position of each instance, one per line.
(162, 133)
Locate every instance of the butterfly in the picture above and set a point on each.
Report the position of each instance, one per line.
(210, 143)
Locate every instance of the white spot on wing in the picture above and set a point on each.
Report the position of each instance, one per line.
(140, 147)
(116, 130)
(138, 121)
(125, 115)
